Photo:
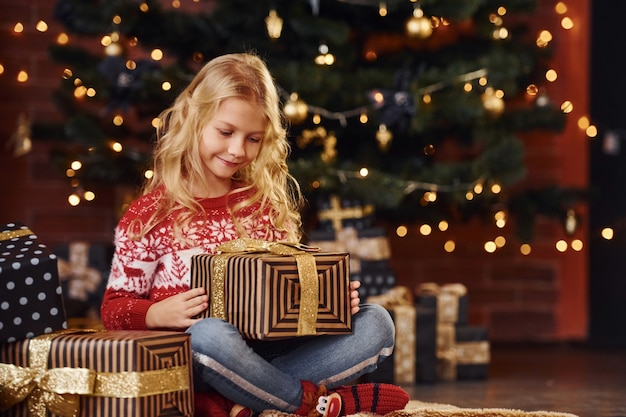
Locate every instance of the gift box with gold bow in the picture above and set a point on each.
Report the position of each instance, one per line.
(467, 357)
(463, 351)
(83, 269)
(274, 290)
(414, 357)
(450, 300)
(369, 251)
(97, 374)
(31, 301)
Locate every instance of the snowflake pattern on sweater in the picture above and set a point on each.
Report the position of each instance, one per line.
(156, 266)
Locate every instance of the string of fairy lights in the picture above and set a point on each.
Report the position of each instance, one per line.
(418, 25)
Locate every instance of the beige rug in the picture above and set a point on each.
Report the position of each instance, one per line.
(421, 409)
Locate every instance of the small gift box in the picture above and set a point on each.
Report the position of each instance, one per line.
(367, 247)
(275, 290)
(462, 350)
(31, 301)
(83, 269)
(471, 353)
(450, 300)
(97, 374)
(414, 358)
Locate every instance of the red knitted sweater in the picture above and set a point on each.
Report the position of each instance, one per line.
(157, 266)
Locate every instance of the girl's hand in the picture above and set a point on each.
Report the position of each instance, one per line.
(177, 311)
(355, 300)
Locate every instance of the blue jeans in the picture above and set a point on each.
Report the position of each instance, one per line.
(266, 374)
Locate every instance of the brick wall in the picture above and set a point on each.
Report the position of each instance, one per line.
(516, 297)
(542, 296)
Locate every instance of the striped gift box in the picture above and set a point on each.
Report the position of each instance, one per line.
(103, 374)
(261, 293)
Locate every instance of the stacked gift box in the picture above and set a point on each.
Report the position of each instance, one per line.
(463, 351)
(97, 374)
(48, 369)
(83, 271)
(414, 357)
(346, 225)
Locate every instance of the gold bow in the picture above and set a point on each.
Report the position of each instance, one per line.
(396, 296)
(307, 275)
(431, 288)
(58, 390)
(55, 389)
(448, 297)
(10, 234)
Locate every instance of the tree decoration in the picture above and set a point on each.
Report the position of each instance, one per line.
(273, 24)
(383, 136)
(324, 57)
(493, 102)
(419, 26)
(319, 136)
(571, 222)
(20, 141)
(296, 109)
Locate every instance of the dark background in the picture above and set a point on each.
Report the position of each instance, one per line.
(607, 263)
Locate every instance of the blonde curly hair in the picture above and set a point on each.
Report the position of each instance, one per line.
(177, 164)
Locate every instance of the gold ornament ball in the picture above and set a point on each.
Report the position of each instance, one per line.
(296, 109)
(419, 27)
(113, 49)
(493, 104)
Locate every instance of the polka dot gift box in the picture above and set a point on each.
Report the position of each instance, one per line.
(31, 302)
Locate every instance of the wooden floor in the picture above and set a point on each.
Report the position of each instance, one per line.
(588, 382)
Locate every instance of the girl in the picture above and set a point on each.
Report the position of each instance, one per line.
(220, 173)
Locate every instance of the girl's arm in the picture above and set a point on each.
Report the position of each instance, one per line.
(127, 297)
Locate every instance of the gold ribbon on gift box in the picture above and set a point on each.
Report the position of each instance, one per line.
(10, 234)
(462, 353)
(360, 248)
(400, 300)
(451, 353)
(448, 296)
(58, 390)
(307, 275)
(475, 352)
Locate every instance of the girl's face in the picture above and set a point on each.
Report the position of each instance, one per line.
(230, 141)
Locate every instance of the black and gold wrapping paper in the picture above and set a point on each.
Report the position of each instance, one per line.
(366, 247)
(414, 357)
(450, 300)
(463, 351)
(472, 351)
(97, 374)
(276, 290)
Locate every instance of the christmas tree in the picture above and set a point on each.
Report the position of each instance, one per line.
(415, 107)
